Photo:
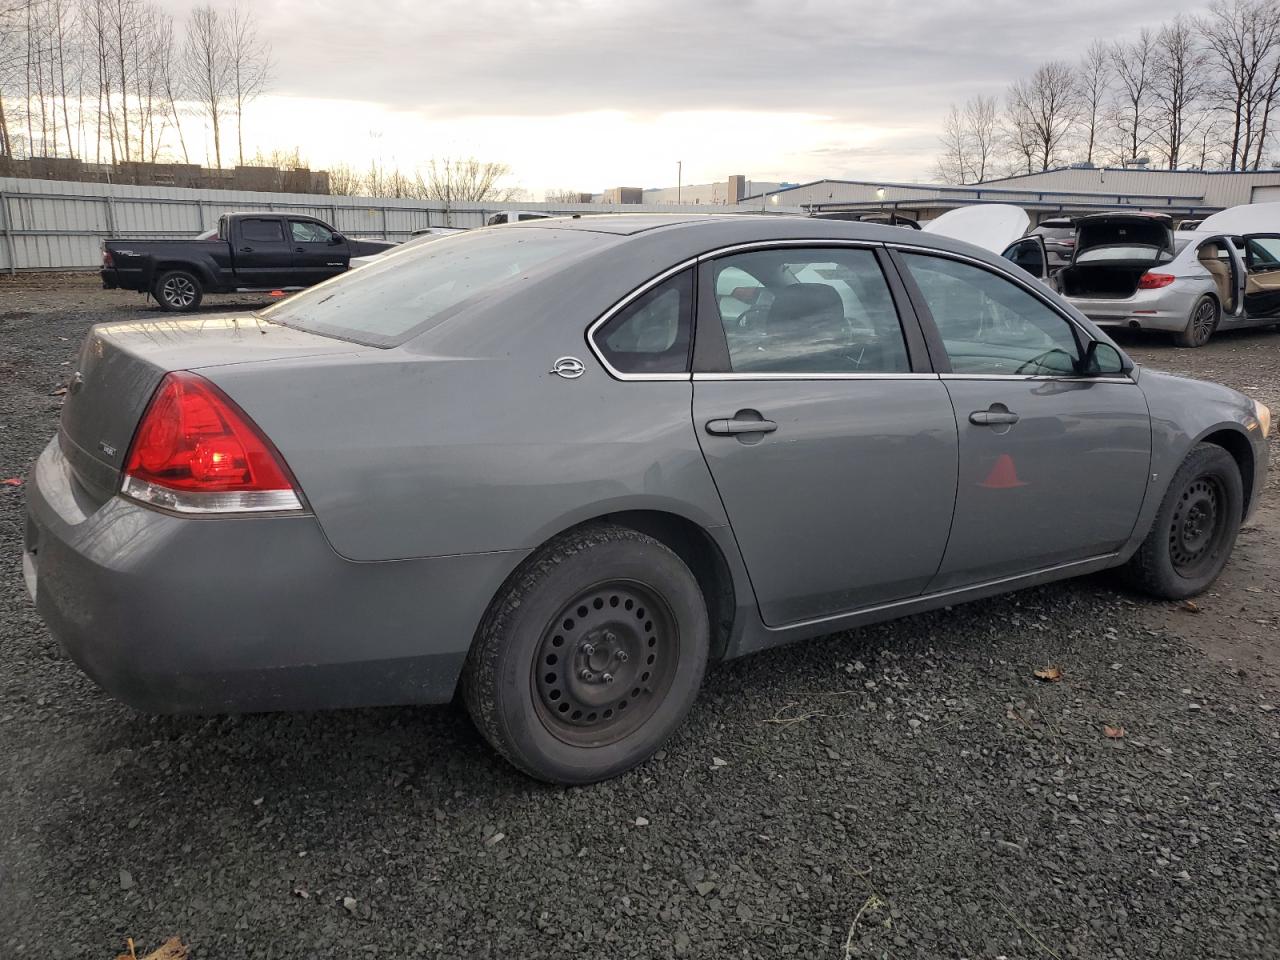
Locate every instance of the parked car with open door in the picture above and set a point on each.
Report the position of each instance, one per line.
(1131, 270)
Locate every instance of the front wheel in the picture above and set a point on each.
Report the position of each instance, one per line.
(1194, 529)
(178, 291)
(590, 657)
(1200, 324)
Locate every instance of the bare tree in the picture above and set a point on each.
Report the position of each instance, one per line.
(1241, 38)
(1134, 63)
(1042, 112)
(1178, 80)
(969, 141)
(344, 181)
(170, 79)
(206, 70)
(466, 180)
(558, 195)
(249, 62)
(953, 161)
(1093, 86)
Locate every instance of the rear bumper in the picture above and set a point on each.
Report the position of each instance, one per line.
(114, 278)
(172, 614)
(1166, 310)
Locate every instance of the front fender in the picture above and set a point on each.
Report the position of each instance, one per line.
(1184, 412)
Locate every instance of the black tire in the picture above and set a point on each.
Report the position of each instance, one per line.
(589, 657)
(1201, 323)
(178, 291)
(1194, 529)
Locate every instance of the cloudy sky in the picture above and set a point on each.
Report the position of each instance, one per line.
(586, 94)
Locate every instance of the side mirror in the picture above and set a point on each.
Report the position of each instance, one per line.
(1103, 360)
(336, 239)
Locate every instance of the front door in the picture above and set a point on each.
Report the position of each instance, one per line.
(1053, 461)
(1030, 254)
(318, 252)
(1262, 275)
(263, 258)
(833, 448)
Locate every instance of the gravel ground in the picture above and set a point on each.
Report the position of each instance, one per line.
(910, 790)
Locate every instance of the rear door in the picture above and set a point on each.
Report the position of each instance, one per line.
(1053, 463)
(1262, 275)
(263, 257)
(832, 443)
(318, 252)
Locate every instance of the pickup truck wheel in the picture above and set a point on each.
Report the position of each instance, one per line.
(178, 290)
(589, 657)
(1194, 529)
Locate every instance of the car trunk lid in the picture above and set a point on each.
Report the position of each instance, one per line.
(121, 364)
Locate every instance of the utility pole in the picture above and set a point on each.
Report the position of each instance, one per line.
(679, 180)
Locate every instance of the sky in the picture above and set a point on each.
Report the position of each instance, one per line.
(589, 94)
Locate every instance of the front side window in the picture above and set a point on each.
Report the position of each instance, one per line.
(308, 231)
(261, 231)
(990, 325)
(808, 311)
(652, 333)
(1263, 252)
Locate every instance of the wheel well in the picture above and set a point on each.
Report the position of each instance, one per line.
(701, 555)
(162, 268)
(1237, 444)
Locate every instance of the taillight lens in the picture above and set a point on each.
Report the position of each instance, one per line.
(1154, 281)
(195, 451)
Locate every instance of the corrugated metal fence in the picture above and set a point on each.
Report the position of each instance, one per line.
(56, 225)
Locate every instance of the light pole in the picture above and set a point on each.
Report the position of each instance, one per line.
(679, 180)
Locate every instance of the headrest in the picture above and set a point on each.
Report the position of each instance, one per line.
(815, 306)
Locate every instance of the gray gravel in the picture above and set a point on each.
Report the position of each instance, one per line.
(911, 790)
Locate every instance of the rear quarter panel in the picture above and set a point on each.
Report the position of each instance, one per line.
(463, 441)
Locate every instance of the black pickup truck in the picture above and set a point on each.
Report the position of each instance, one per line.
(250, 252)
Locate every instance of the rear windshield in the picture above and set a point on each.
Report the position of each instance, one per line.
(1106, 232)
(1104, 254)
(405, 292)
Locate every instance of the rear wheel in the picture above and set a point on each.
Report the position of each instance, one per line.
(1194, 529)
(178, 290)
(1200, 325)
(590, 657)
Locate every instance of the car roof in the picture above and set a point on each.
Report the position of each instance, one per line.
(1126, 215)
(729, 227)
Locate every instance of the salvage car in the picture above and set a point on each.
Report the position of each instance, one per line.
(561, 466)
(249, 252)
(1132, 270)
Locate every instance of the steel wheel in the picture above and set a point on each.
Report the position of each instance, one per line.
(604, 663)
(1197, 527)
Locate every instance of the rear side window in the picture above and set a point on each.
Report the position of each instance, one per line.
(652, 333)
(261, 231)
(409, 291)
(808, 311)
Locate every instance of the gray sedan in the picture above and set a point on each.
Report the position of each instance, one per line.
(562, 465)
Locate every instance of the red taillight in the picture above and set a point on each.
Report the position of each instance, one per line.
(1154, 281)
(195, 451)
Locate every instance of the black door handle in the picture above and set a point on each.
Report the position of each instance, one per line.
(246, 249)
(995, 416)
(299, 250)
(734, 427)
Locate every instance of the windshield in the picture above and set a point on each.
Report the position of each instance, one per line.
(1129, 252)
(407, 291)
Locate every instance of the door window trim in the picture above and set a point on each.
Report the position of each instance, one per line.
(625, 302)
(711, 350)
(942, 362)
